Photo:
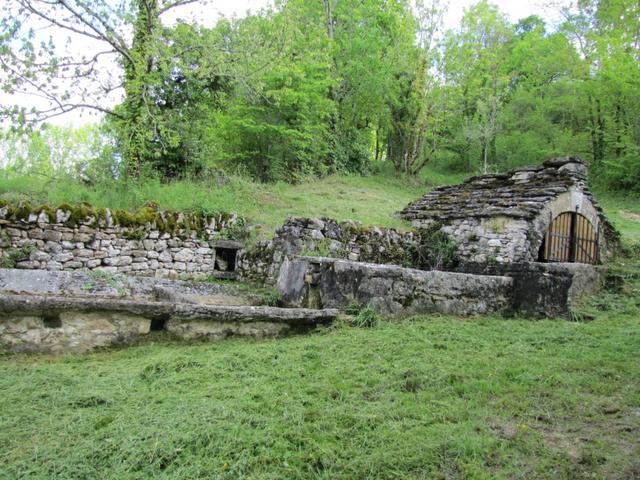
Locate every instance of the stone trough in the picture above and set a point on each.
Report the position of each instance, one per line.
(389, 289)
(44, 311)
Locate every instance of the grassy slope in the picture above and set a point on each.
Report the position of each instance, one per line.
(430, 397)
(372, 200)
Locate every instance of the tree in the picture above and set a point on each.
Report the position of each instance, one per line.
(608, 38)
(474, 71)
(123, 40)
(418, 114)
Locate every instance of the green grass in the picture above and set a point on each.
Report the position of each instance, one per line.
(431, 397)
(372, 200)
(624, 212)
(425, 398)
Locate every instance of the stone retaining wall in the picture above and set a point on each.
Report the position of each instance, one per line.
(348, 240)
(152, 243)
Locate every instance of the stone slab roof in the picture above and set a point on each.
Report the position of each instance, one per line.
(519, 193)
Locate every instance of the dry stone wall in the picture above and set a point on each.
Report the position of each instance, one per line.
(347, 240)
(150, 242)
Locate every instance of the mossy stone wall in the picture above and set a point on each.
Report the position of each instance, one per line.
(148, 241)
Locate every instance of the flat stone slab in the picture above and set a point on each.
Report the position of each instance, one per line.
(58, 324)
(83, 283)
(45, 304)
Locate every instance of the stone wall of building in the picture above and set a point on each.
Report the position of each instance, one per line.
(503, 218)
(503, 239)
(149, 242)
(489, 240)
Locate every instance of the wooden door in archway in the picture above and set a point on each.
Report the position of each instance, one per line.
(570, 238)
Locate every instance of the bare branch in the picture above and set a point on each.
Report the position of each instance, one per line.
(176, 3)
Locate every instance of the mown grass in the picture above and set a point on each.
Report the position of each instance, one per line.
(433, 397)
(624, 212)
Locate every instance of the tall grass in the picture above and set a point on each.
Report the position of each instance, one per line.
(372, 199)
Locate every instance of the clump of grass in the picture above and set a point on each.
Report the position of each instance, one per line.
(367, 317)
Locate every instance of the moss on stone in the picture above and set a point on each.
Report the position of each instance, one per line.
(20, 211)
(100, 216)
(50, 212)
(174, 223)
(144, 216)
(79, 214)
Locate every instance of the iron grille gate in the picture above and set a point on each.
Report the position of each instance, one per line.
(571, 238)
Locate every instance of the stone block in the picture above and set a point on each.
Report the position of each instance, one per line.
(52, 235)
(118, 261)
(63, 257)
(184, 255)
(40, 256)
(165, 257)
(36, 234)
(28, 264)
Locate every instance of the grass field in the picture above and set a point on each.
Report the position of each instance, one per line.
(422, 398)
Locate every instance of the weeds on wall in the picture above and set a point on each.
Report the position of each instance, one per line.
(364, 316)
(433, 249)
(12, 256)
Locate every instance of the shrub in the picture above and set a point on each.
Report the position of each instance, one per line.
(433, 249)
(14, 255)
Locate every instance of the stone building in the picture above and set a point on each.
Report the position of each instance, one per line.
(533, 214)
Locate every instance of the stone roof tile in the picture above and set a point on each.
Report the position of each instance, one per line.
(518, 193)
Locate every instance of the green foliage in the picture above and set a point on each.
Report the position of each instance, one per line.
(99, 278)
(9, 257)
(236, 231)
(273, 298)
(312, 88)
(353, 308)
(432, 249)
(319, 249)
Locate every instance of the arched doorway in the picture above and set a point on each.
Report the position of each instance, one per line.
(570, 238)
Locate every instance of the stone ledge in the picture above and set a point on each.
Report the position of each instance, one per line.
(43, 304)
